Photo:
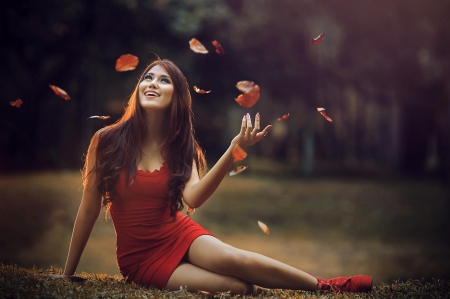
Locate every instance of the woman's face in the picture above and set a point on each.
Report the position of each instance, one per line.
(156, 89)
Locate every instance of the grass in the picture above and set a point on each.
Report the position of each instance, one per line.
(17, 282)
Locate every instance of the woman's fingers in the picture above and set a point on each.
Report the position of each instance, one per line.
(249, 123)
(257, 126)
(264, 132)
(243, 125)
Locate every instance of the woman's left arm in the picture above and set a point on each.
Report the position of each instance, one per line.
(197, 190)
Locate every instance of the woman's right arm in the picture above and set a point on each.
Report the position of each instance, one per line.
(88, 213)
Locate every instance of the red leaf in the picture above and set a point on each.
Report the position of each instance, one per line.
(60, 92)
(322, 111)
(284, 117)
(100, 117)
(126, 62)
(197, 46)
(238, 153)
(198, 90)
(264, 227)
(317, 40)
(245, 86)
(250, 95)
(16, 103)
(219, 49)
(238, 170)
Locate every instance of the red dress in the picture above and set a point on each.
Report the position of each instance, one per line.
(150, 245)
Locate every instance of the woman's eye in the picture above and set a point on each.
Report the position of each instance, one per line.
(147, 77)
(165, 80)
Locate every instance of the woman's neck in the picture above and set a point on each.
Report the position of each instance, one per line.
(154, 131)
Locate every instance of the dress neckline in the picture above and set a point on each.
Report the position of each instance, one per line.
(152, 173)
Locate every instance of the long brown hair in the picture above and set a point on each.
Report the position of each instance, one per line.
(120, 144)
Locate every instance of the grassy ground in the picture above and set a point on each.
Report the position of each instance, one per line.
(392, 229)
(17, 282)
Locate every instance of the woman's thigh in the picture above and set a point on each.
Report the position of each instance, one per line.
(210, 253)
(196, 279)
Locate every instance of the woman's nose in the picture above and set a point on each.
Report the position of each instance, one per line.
(153, 84)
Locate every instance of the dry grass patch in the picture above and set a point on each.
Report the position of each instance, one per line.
(17, 282)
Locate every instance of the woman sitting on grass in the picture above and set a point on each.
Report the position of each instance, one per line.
(145, 167)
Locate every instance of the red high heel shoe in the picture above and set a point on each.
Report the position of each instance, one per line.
(355, 284)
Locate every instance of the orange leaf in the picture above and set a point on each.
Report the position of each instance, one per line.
(237, 170)
(197, 46)
(250, 98)
(284, 117)
(126, 62)
(245, 86)
(190, 211)
(198, 90)
(100, 117)
(317, 40)
(264, 227)
(219, 49)
(238, 153)
(16, 103)
(58, 91)
(322, 111)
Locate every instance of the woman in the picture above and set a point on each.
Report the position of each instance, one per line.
(145, 166)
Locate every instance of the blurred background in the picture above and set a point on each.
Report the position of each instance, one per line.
(367, 193)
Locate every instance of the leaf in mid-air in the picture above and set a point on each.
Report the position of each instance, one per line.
(322, 111)
(126, 62)
(318, 39)
(238, 170)
(284, 117)
(100, 117)
(219, 49)
(238, 153)
(250, 93)
(264, 227)
(16, 103)
(198, 90)
(197, 46)
(60, 92)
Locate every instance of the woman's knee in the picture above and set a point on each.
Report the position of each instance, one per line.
(230, 260)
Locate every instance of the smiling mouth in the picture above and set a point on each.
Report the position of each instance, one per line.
(151, 93)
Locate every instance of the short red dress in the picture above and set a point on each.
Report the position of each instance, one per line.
(150, 245)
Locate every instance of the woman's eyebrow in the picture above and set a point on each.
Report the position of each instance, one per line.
(162, 75)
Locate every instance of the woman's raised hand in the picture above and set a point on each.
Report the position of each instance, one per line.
(249, 135)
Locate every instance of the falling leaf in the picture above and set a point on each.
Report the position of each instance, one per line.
(284, 117)
(238, 153)
(189, 210)
(126, 62)
(237, 170)
(16, 103)
(317, 40)
(58, 91)
(245, 86)
(264, 227)
(219, 49)
(322, 111)
(197, 46)
(249, 98)
(100, 117)
(198, 90)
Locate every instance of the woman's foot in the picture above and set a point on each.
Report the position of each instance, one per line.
(355, 284)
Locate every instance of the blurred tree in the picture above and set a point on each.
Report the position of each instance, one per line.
(382, 73)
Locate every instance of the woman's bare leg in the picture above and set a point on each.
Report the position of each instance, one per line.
(198, 279)
(215, 256)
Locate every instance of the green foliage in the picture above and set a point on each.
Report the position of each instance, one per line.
(17, 282)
